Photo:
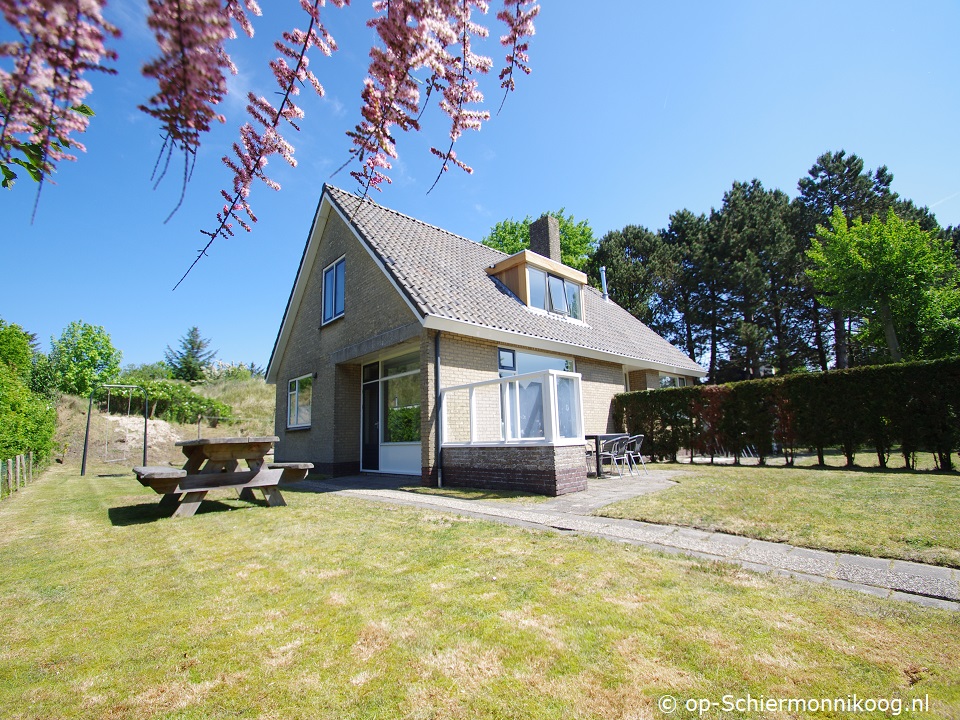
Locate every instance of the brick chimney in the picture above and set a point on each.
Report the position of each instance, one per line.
(545, 237)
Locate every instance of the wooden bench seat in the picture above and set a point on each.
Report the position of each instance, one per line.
(146, 473)
(290, 466)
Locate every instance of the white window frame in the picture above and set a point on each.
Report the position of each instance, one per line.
(293, 401)
(331, 269)
(548, 294)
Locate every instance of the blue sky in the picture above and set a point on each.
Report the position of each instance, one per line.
(634, 110)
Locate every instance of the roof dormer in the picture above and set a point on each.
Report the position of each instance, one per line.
(543, 283)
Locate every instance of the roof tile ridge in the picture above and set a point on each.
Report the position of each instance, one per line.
(413, 219)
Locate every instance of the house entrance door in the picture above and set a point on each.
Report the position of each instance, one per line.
(390, 415)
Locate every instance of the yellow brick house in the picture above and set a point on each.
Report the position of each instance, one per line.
(407, 349)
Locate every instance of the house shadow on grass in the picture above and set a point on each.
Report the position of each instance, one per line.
(324, 483)
(143, 513)
(406, 483)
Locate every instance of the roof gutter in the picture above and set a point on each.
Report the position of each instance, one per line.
(462, 327)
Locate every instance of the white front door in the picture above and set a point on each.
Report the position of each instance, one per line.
(396, 380)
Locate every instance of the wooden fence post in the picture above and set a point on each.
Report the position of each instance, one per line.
(19, 468)
(31, 466)
(9, 473)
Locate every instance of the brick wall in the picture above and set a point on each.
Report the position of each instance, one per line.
(371, 306)
(542, 469)
(601, 381)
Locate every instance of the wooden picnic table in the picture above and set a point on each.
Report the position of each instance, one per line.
(214, 464)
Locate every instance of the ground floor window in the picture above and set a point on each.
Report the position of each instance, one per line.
(299, 399)
(527, 421)
(397, 383)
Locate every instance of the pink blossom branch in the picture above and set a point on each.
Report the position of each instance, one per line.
(519, 22)
(42, 95)
(415, 35)
(254, 148)
(190, 73)
(461, 88)
(391, 95)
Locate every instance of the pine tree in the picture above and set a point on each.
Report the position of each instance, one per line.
(193, 357)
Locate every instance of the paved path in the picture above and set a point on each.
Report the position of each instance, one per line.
(928, 585)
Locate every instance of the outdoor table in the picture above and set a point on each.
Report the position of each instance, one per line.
(598, 440)
(212, 464)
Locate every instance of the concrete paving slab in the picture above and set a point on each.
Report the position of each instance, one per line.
(858, 587)
(926, 601)
(765, 553)
(810, 562)
(934, 572)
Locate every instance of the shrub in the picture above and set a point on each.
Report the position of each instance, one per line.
(915, 405)
(171, 400)
(27, 420)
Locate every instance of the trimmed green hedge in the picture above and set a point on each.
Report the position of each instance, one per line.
(913, 406)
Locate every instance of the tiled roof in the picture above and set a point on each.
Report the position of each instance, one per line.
(444, 275)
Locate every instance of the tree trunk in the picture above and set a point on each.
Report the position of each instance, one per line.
(890, 331)
(713, 346)
(782, 359)
(818, 336)
(840, 340)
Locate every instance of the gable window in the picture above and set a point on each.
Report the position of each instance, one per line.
(299, 397)
(554, 293)
(333, 290)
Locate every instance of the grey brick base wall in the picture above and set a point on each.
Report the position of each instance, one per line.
(539, 469)
(340, 469)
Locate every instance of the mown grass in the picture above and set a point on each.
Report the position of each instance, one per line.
(339, 608)
(906, 515)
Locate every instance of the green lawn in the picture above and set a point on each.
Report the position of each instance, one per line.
(907, 515)
(335, 607)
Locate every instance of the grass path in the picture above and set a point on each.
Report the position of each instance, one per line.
(337, 608)
(904, 515)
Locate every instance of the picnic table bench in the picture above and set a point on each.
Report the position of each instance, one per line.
(213, 464)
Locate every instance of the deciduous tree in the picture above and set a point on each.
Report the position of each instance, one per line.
(839, 180)
(83, 358)
(902, 278)
(577, 243)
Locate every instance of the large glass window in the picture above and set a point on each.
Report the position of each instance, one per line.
(558, 298)
(333, 278)
(528, 362)
(400, 398)
(529, 424)
(554, 293)
(299, 399)
(537, 285)
(574, 308)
